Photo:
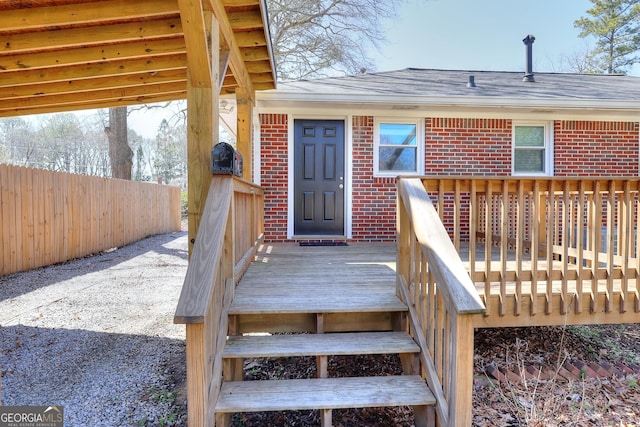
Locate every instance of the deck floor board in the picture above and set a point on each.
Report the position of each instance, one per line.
(287, 278)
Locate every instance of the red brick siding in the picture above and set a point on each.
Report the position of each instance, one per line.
(480, 147)
(274, 170)
(374, 199)
(584, 148)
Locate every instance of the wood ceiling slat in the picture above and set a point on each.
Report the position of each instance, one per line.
(86, 55)
(251, 39)
(80, 37)
(228, 4)
(261, 78)
(107, 68)
(97, 95)
(246, 21)
(85, 14)
(91, 104)
(264, 86)
(95, 83)
(254, 67)
(255, 54)
(28, 4)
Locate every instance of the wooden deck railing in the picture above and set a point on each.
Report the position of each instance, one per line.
(230, 230)
(442, 302)
(558, 250)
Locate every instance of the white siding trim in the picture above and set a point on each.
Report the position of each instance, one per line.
(257, 148)
(549, 157)
(290, 204)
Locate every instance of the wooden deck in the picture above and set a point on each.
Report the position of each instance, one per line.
(330, 300)
(562, 251)
(351, 287)
(339, 281)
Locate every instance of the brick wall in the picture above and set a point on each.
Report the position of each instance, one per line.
(374, 199)
(480, 147)
(273, 158)
(584, 148)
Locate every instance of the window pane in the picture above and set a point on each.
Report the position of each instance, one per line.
(529, 161)
(397, 159)
(397, 134)
(529, 136)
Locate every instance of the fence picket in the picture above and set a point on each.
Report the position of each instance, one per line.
(49, 217)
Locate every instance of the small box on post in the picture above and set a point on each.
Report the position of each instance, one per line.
(225, 160)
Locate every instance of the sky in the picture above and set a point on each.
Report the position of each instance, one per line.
(468, 35)
(478, 35)
(482, 34)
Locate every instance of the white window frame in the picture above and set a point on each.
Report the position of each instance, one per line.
(419, 123)
(548, 148)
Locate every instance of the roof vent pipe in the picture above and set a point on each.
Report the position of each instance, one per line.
(472, 81)
(528, 75)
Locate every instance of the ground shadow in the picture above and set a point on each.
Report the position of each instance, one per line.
(17, 284)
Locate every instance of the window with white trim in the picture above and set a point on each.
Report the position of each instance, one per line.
(398, 147)
(532, 148)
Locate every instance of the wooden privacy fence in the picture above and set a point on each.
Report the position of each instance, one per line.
(48, 217)
(562, 250)
(230, 230)
(442, 301)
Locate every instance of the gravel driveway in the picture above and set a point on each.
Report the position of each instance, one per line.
(96, 336)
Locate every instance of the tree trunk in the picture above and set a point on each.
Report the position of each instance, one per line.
(120, 154)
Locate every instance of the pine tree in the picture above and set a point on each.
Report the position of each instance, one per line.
(615, 25)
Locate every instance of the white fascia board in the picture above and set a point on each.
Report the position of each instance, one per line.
(457, 107)
(273, 98)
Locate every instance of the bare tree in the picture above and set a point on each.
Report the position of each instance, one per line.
(581, 61)
(313, 38)
(120, 153)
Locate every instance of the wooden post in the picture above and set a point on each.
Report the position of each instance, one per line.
(202, 134)
(244, 131)
(461, 369)
(403, 242)
(196, 375)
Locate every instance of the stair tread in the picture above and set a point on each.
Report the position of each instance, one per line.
(320, 344)
(324, 393)
(318, 303)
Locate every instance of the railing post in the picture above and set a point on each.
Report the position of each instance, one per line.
(196, 375)
(403, 242)
(461, 378)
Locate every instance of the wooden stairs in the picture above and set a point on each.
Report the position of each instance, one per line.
(329, 304)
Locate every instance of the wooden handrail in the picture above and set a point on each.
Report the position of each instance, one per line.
(196, 293)
(442, 301)
(459, 291)
(230, 230)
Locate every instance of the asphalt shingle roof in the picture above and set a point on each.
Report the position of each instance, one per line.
(489, 84)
